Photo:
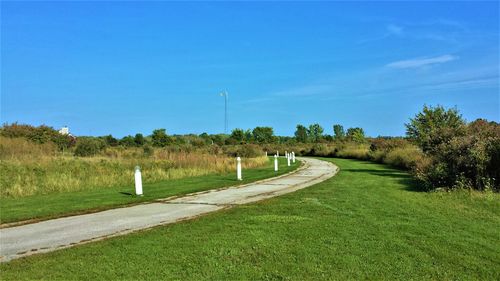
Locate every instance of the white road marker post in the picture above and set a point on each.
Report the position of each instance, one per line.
(278, 153)
(266, 153)
(288, 158)
(293, 156)
(276, 163)
(286, 154)
(238, 169)
(138, 181)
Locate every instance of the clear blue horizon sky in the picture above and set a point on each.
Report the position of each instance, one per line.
(130, 67)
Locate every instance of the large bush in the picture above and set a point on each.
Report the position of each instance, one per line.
(459, 154)
(89, 147)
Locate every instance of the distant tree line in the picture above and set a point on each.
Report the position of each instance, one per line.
(314, 134)
(440, 148)
(88, 145)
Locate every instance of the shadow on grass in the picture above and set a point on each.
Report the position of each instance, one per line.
(126, 193)
(402, 177)
(375, 172)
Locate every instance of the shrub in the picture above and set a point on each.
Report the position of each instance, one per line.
(320, 149)
(468, 159)
(88, 147)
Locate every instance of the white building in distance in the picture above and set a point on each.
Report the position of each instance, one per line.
(64, 131)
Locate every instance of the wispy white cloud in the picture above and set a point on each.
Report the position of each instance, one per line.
(384, 82)
(420, 62)
(394, 29)
(443, 30)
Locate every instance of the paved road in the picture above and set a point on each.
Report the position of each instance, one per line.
(65, 232)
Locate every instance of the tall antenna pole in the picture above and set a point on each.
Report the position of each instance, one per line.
(225, 111)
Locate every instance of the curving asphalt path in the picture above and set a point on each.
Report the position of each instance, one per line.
(46, 236)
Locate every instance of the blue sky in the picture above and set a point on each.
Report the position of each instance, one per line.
(128, 67)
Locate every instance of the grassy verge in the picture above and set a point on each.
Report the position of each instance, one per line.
(364, 223)
(68, 203)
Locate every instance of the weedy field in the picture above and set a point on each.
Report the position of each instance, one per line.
(40, 182)
(36, 169)
(46, 206)
(367, 222)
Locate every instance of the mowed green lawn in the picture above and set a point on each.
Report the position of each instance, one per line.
(364, 223)
(71, 203)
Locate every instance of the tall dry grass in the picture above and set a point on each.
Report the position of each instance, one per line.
(353, 150)
(29, 169)
(20, 148)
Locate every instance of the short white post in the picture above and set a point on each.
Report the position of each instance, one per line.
(238, 169)
(293, 156)
(138, 181)
(277, 153)
(288, 158)
(286, 154)
(276, 163)
(266, 153)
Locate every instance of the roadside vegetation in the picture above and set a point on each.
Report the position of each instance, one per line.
(46, 206)
(36, 169)
(367, 222)
(440, 149)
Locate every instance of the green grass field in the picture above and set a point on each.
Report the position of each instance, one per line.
(70, 203)
(365, 223)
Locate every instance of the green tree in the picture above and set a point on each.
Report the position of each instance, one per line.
(248, 136)
(315, 132)
(263, 134)
(110, 140)
(160, 138)
(218, 139)
(434, 126)
(338, 132)
(206, 138)
(127, 141)
(139, 139)
(238, 135)
(356, 134)
(301, 133)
